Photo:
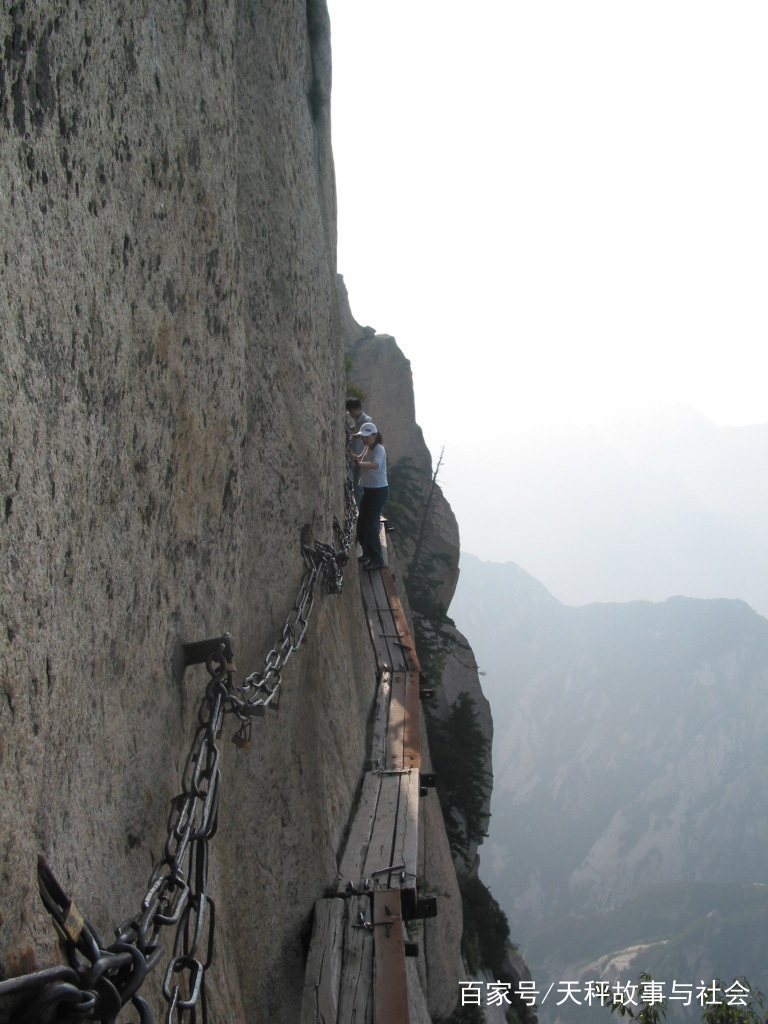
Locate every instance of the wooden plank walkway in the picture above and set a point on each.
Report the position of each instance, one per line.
(322, 977)
(356, 989)
(356, 970)
(378, 757)
(390, 636)
(390, 1001)
(403, 738)
(401, 626)
(338, 980)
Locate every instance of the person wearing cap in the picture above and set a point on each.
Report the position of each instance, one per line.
(355, 412)
(373, 478)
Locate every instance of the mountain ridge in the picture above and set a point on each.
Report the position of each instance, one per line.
(644, 505)
(629, 746)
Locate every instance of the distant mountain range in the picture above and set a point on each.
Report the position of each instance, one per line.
(648, 505)
(630, 802)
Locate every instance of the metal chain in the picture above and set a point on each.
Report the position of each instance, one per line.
(100, 980)
(261, 689)
(346, 535)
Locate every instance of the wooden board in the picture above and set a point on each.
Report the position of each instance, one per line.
(380, 592)
(356, 849)
(406, 845)
(401, 623)
(403, 731)
(378, 749)
(384, 544)
(389, 632)
(356, 988)
(322, 978)
(379, 854)
(412, 723)
(357, 975)
(381, 624)
(380, 648)
(396, 721)
(390, 976)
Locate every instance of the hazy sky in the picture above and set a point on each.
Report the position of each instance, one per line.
(557, 206)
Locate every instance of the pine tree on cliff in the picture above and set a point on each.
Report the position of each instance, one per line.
(461, 750)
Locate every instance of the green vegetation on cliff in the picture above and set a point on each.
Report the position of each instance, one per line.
(464, 782)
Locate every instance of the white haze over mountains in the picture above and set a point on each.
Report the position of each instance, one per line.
(630, 779)
(559, 209)
(645, 506)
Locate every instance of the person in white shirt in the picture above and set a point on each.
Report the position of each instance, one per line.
(373, 479)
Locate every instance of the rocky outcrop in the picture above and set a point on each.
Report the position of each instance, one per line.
(439, 937)
(351, 331)
(171, 396)
(379, 367)
(460, 676)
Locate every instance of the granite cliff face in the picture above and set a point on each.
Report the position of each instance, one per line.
(172, 397)
(380, 368)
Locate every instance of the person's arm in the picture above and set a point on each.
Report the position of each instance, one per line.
(373, 461)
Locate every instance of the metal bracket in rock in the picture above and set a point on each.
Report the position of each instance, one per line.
(100, 979)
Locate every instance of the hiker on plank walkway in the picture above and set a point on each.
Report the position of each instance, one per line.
(373, 479)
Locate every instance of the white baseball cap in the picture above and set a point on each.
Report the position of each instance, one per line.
(367, 430)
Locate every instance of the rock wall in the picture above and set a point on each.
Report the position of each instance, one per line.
(461, 675)
(377, 364)
(171, 396)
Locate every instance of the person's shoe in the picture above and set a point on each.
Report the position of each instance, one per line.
(373, 563)
(364, 558)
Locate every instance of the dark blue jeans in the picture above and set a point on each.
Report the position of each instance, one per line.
(374, 500)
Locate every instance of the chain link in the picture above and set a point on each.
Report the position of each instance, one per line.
(100, 980)
(261, 689)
